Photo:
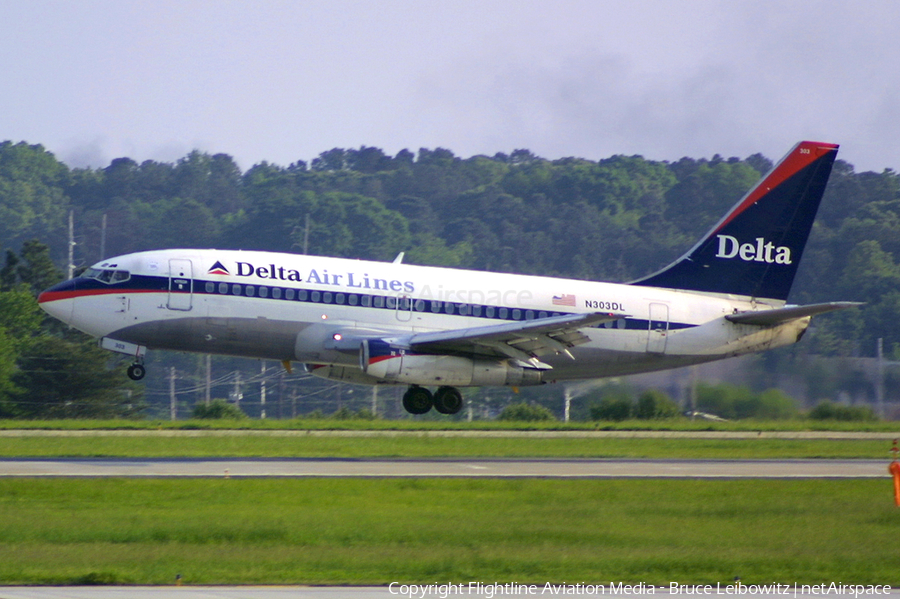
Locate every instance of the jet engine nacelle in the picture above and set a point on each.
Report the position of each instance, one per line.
(380, 360)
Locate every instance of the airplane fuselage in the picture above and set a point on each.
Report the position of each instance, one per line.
(288, 307)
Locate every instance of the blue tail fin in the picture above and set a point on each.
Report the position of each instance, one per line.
(755, 249)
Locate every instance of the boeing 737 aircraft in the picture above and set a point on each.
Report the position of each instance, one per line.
(397, 324)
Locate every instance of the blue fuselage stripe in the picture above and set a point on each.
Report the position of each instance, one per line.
(151, 284)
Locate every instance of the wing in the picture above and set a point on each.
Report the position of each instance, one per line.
(524, 341)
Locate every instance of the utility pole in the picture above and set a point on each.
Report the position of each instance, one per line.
(693, 395)
(262, 391)
(281, 394)
(208, 378)
(238, 396)
(71, 266)
(103, 237)
(374, 400)
(173, 410)
(879, 384)
(306, 236)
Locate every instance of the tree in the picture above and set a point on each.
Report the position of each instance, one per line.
(526, 412)
(615, 406)
(32, 201)
(653, 404)
(36, 269)
(827, 410)
(70, 378)
(217, 409)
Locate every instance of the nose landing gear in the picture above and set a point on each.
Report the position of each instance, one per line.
(136, 371)
(419, 400)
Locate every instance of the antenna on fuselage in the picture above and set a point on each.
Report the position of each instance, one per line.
(399, 258)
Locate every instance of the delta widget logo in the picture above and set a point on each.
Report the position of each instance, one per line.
(218, 269)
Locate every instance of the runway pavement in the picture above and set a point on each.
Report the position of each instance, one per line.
(477, 468)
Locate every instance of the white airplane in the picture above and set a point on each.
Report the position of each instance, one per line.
(399, 324)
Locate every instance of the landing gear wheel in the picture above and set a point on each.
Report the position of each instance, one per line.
(448, 400)
(417, 400)
(136, 372)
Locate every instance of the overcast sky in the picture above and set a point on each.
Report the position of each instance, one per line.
(285, 81)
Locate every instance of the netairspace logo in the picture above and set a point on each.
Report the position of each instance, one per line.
(514, 589)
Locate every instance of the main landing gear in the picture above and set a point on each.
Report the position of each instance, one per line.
(419, 400)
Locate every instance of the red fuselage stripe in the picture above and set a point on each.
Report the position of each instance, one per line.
(53, 296)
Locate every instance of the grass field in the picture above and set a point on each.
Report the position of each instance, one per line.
(427, 446)
(348, 531)
(416, 424)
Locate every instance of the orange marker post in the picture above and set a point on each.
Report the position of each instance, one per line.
(894, 469)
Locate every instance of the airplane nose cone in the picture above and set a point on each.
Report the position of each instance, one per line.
(59, 300)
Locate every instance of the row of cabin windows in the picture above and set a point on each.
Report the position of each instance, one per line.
(376, 301)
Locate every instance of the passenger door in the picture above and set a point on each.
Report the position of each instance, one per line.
(181, 284)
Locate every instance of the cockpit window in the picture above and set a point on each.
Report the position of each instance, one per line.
(108, 276)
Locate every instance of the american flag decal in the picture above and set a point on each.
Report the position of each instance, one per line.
(564, 300)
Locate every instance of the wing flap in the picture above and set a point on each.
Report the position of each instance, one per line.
(524, 341)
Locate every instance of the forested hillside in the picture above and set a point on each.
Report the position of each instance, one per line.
(613, 219)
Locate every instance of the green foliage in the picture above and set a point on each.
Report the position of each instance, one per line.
(827, 410)
(613, 406)
(526, 412)
(33, 202)
(735, 402)
(345, 413)
(653, 404)
(218, 409)
(617, 404)
(69, 378)
(35, 268)
(20, 315)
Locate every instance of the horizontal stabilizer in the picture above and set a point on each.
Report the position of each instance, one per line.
(779, 315)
